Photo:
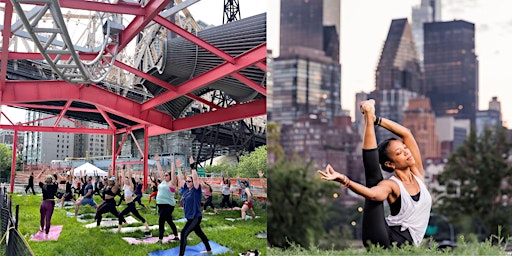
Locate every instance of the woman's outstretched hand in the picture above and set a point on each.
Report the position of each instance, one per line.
(330, 174)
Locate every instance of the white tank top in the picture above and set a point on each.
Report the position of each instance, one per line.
(413, 215)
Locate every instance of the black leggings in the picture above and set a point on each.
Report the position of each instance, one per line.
(109, 205)
(165, 215)
(375, 228)
(130, 208)
(209, 202)
(193, 225)
(225, 201)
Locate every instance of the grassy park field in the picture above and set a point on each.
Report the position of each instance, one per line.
(76, 239)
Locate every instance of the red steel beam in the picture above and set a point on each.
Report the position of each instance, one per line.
(25, 128)
(236, 112)
(247, 59)
(6, 36)
(161, 83)
(257, 87)
(139, 22)
(120, 7)
(194, 39)
(37, 91)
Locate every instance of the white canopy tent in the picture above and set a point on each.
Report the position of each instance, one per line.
(90, 170)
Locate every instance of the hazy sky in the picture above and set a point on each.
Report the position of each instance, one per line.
(365, 25)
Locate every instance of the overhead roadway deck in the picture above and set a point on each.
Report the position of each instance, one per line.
(237, 71)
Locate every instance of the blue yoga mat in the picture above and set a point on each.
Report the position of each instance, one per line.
(191, 250)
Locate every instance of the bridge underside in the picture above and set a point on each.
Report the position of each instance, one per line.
(195, 64)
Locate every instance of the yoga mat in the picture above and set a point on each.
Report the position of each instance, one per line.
(185, 220)
(66, 203)
(108, 222)
(132, 229)
(52, 235)
(191, 250)
(151, 240)
(247, 217)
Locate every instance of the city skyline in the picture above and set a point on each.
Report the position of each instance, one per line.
(364, 30)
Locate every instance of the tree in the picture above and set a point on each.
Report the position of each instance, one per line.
(476, 177)
(250, 163)
(5, 161)
(296, 204)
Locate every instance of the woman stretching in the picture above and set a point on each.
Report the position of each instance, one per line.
(49, 188)
(165, 199)
(68, 193)
(405, 191)
(109, 203)
(191, 197)
(208, 197)
(130, 204)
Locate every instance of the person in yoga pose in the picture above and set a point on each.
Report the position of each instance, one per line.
(191, 197)
(109, 203)
(68, 193)
(130, 203)
(165, 198)
(405, 191)
(49, 189)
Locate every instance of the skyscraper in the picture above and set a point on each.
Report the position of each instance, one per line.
(307, 73)
(398, 77)
(451, 68)
(427, 11)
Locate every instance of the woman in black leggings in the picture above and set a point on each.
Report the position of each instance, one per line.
(109, 203)
(405, 191)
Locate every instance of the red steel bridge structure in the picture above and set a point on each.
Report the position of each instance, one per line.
(77, 88)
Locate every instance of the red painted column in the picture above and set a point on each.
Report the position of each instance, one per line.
(13, 163)
(114, 154)
(145, 158)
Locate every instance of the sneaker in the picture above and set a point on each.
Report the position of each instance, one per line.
(147, 234)
(175, 239)
(206, 252)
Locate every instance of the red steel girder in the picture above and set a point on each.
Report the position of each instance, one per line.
(139, 22)
(194, 39)
(6, 36)
(30, 128)
(233, 113)
(38, 91)
(243, 61)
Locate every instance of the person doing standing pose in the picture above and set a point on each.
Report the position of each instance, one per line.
(165, 199)
(49, 188)
(191, 197)
(406, 192)
(130, 203)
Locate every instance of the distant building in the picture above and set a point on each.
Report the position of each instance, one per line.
(399, 65)
(7, 138)
(307, 73)
(398, 77)
(490, 118)
(421, 120)
(427, 11)
(452, 133)
(451, 68)
(43, 147)
(317, 140)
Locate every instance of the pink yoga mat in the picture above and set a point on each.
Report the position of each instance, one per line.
(52, 235)
(151, 240)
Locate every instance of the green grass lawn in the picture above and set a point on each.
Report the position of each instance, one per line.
(75, 239)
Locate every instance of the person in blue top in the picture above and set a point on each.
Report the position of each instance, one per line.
(165, 199)
(88, 196)
(191, 197)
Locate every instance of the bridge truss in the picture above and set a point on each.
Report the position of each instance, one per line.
(118, 54)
